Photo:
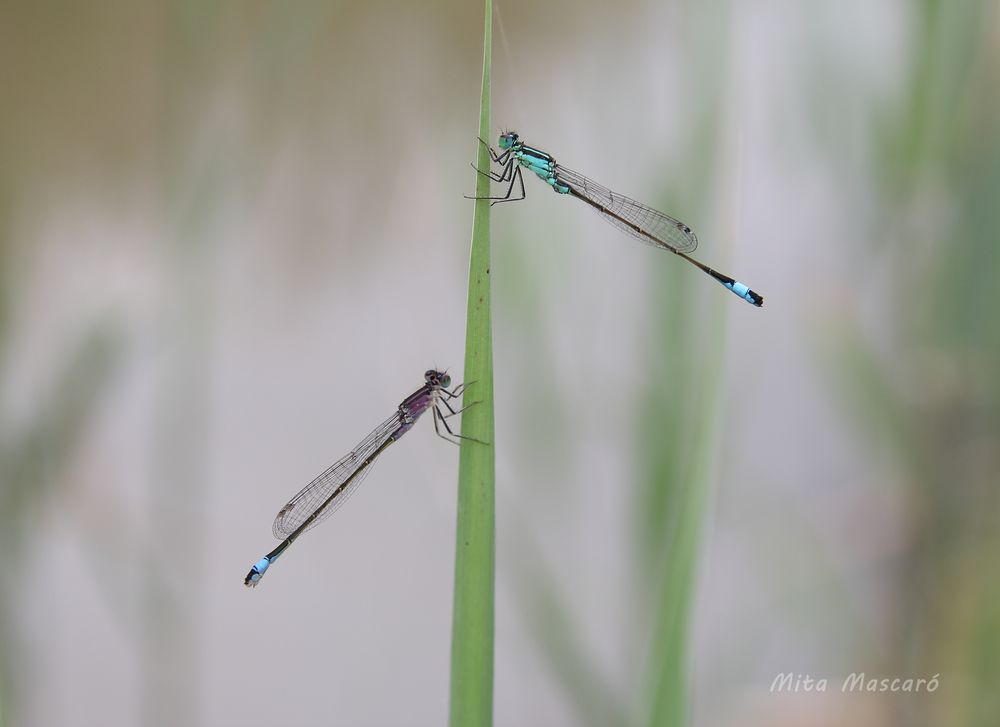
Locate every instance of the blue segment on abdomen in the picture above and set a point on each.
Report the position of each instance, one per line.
(741, 290)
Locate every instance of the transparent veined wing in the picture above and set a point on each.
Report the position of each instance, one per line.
(638, 220)
(331, 489)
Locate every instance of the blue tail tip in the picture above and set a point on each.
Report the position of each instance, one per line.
(745, 293)
(256, 573)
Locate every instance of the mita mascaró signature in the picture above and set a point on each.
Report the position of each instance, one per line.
(854, 682)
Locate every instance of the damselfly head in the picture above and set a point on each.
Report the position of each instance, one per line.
(437, 378)
(507, 139)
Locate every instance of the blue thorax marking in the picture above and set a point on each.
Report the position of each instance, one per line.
(535, 152)
(558, 185)
(535, 163)
(542, 164)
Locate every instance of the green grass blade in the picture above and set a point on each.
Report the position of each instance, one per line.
(667, 670)
(472, 618)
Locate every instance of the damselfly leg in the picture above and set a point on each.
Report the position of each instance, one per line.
(453, 412)
(511, 173)
(440, 417)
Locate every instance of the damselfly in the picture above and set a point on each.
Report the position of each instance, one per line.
(325, 494)
(638, 220)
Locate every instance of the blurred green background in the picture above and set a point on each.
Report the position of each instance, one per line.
(232, 237)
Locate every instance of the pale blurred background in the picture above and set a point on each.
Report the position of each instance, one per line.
(232, 237)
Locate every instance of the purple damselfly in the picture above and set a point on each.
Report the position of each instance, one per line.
(325, 494)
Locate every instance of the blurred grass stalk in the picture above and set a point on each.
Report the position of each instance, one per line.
(680, 448)
(33, 456)
(191, 193)
(934, 412)
(677, 425)
(679, 406)
(472, 619)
